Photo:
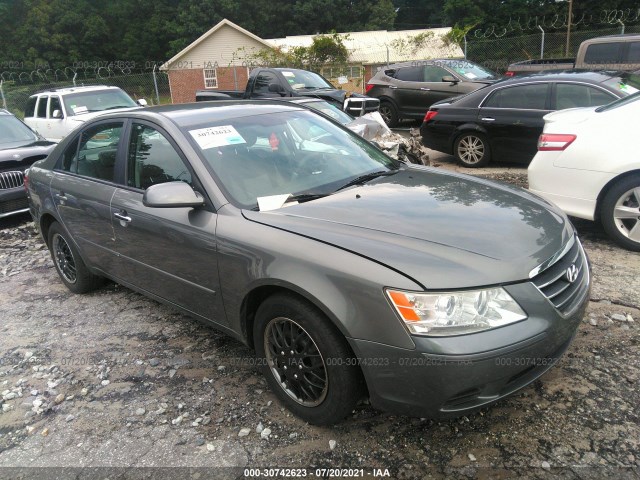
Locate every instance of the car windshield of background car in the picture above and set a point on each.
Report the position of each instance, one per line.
(96, 101)
(301, 80)
(13, 131)
(283, 154)
(470, 70)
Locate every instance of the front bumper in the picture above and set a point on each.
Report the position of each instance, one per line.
(13, 201)
(451, 376)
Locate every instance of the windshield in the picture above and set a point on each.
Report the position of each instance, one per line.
(13, 131)
(330, 110)
(470, 70)
(97, 101)
(303, 80)
(257, 158)
(619, 103)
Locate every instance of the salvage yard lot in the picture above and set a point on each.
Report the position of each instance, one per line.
(113, 379)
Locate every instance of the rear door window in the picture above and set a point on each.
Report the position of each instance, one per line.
(42, 107)
(529, 97)
(571, 95)
(95, 157)
(410, 74)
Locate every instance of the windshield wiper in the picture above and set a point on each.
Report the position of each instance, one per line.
(305, 197)
(366, 177)
(119, 106)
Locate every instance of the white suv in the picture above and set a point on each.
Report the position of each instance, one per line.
(55, 113)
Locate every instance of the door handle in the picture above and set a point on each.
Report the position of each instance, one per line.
(488, 119)
(426, 89)
(122, 217)
(61, 196)
(393, 87)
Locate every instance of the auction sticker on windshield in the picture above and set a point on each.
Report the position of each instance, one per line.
(211, 137)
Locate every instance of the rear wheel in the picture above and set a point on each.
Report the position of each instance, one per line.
(620, 212)
(70, 266)
(389, 113)
(472, 149)
(305, 360)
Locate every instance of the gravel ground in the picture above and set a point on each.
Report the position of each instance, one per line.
(114, 385)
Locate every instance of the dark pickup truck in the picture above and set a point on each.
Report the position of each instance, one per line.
(270, 83)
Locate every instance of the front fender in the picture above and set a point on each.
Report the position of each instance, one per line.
(347, 287)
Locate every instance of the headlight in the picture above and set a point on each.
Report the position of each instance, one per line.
(455, 313)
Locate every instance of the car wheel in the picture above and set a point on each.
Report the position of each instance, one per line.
(306, 360)
(472, 149)
(389, 113)
(70, 266)
(620, 212)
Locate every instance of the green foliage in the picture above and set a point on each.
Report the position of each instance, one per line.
(324, 50)
(413, 43)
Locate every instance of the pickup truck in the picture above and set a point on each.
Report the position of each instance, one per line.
(612, 52)
(270, 83)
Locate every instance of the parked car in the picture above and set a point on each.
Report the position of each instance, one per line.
(503, 121)
(610, 52)
(276, 83)
(351, 274)
(588, 164)
(407, 90)
(20, 147)
(56, 112)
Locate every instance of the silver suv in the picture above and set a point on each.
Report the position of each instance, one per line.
(56, 112)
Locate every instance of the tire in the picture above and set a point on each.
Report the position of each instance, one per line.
(329, 388)
(389, 113)
(71, 268)
(472, 150)
(620, 213)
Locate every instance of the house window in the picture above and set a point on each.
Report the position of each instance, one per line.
(210, 78)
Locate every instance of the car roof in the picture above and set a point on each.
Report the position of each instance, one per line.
(74, 89)
(575, 74)
(186, 115)
(417, 63)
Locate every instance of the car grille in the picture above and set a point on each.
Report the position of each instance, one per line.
(562, 284)
(11, 180)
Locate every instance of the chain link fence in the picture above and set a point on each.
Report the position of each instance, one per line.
(16, 87)
(498, 53)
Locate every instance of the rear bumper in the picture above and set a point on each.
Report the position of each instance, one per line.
(437, 139)
(452, 376)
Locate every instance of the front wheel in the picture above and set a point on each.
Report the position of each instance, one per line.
(472, 149)
(306, 361)
(620, 213)
(70, 266)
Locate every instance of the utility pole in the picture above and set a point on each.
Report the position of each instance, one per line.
(569, 26)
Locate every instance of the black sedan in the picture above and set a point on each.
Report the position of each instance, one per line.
(20, 147)
(503, 121)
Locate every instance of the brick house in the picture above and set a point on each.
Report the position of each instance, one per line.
(222, 57)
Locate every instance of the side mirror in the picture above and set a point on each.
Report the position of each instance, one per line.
(172, 195)
(450, 79)
(276, 88)
(142, 102)
(57, 114)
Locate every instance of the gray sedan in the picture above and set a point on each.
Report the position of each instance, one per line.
(352, 275)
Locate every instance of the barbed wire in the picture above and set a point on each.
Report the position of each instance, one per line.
(559, 21)
(66, 74)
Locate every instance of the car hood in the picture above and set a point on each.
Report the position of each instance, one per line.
(442, 230)
(15, 155)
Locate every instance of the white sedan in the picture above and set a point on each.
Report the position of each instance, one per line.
(588, 163)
